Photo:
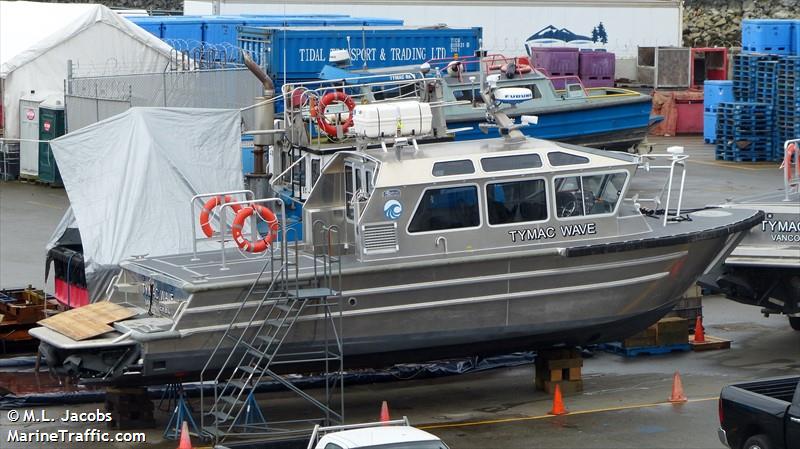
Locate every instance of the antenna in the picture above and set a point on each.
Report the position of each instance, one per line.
(364, 46)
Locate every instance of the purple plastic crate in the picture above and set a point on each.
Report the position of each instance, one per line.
(596, 68)
(598, 82)
(558, 61)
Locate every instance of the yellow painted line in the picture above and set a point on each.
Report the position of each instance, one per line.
(580, 412)
(50, 206)
(734, 165)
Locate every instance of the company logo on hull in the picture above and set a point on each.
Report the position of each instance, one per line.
(392, 209)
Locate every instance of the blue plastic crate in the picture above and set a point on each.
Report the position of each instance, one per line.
(774, 36)
(715, 92)
(709, 127)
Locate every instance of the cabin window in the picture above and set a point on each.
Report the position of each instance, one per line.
(588, 195)
(358, 179)
(558, 158)
(348, 190)
(515, 162)
(450, 168)
(446, 208)
(473, 95)
(315, 171)
(368, 180)
(602, 192)
(390, 91)
(285, 163)
(516, 201)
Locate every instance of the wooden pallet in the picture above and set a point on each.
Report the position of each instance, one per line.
(617, 348)
(710, 344)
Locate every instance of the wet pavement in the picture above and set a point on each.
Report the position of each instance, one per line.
(624, 400)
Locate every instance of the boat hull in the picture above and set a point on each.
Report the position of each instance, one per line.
(604, 124)
(449, 310)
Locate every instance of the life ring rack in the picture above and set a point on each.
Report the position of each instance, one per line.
(265, 214)
(322, 120)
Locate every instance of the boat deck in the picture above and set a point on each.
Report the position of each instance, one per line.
(205, 271)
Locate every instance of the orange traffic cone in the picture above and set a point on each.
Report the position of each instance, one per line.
(699, 334)
(558, 403)
(677, 389)
(185, 442)
(385, 412)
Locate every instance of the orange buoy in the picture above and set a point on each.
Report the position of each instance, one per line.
(238, 223)
(205, 214)
(327, 99)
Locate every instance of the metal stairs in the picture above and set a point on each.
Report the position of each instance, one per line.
(255, 346)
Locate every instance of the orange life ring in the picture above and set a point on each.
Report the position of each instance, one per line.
(205, 214)
(787, 161)
(238, 224)
(327, 127)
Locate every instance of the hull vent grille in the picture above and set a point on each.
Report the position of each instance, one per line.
(380, 237)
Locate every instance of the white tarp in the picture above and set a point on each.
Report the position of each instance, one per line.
(37, 40)
(130, 179)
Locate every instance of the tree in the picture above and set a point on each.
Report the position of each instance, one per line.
(601, 33)
(595, 35)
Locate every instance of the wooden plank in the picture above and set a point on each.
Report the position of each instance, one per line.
(107, 312)
(711, 343)
(88, 321)
(76, 326)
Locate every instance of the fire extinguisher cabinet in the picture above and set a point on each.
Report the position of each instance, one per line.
(51, 125)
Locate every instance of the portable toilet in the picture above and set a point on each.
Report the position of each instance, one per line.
(51, 125)
(29, 134)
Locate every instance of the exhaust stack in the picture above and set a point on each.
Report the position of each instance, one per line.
(258, 181)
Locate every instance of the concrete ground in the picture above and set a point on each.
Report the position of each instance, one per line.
(624, 401)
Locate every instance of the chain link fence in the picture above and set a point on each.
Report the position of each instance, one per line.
(90, 99)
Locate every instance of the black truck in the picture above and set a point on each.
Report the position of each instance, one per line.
(763, 414)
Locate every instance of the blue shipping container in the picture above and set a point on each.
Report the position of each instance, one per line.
(221, 30)
(183, 33)
(153, 25)
(307, 49)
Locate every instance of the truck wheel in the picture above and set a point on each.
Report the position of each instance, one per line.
(757, 442)
(794, 321)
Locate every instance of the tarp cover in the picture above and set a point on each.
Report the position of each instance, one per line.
(130, 179)
(37, 40)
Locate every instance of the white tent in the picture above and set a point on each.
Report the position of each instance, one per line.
(130, 179)
(37, 40)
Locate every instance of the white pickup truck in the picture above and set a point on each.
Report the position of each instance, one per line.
(397, 434)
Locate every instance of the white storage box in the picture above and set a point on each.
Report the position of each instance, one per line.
(400, 119)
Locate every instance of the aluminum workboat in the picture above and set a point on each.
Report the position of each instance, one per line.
(764, 269)
(600, 117)
(426, 249)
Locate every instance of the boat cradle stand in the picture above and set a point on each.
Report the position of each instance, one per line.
(559, 366)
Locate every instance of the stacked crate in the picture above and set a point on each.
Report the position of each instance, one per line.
(596, 68)
(745, 132)
(766, 87)
(787, 103)
(745, 69)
